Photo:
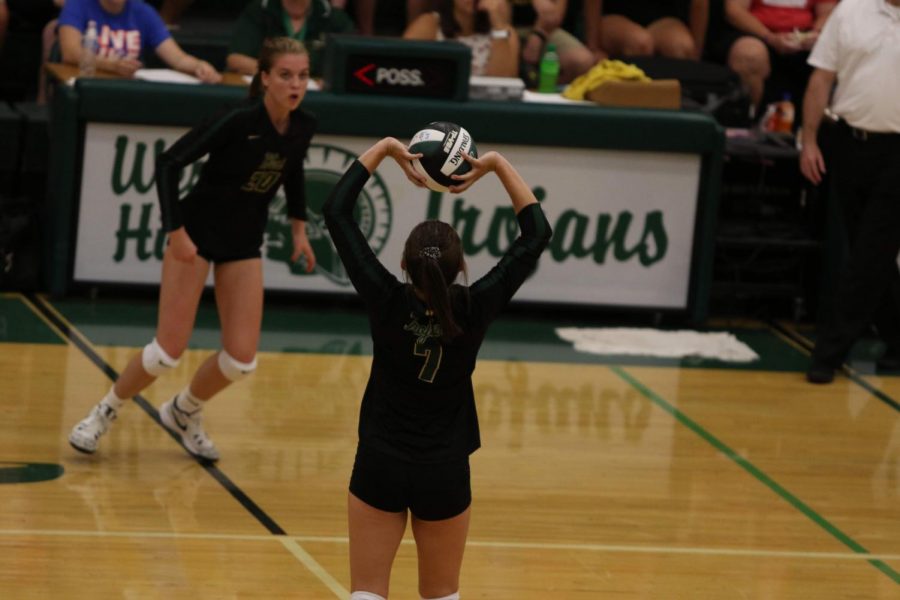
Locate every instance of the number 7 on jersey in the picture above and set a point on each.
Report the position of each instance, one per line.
(431, 349)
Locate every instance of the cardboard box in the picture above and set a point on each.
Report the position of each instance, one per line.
(663, 94)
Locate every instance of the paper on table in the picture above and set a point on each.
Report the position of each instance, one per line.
(530, 96)
(165, 76)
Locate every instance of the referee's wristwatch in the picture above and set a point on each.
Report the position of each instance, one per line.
(500, 34)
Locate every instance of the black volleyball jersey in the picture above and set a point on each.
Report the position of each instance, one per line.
(419, 404)
(248, 161)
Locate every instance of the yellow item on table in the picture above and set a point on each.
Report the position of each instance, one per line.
(602, 72)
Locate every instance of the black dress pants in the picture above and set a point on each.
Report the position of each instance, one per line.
(865, 176)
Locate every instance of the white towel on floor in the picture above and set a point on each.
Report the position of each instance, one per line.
(654, 342)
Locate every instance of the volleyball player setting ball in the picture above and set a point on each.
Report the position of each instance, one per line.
(418, 423)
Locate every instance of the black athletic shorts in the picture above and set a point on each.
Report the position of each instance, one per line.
(431, 492)
(225, 231)
(218, 249)
(223, 255)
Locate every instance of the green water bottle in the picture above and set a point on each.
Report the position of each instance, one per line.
(548, 70)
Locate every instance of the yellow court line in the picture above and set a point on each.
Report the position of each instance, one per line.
(315, 568)
(789, 340)
(74, 330)
(613, 548)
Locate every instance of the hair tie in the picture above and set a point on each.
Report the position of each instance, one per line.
(430, 252)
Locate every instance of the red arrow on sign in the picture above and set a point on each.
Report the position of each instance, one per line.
(361, 74)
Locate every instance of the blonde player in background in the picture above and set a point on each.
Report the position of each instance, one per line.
(253, 149)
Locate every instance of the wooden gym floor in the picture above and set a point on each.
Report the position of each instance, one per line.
(599, 477)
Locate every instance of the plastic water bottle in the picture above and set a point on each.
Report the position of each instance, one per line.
(779, 116)
(785, 115)
(87, 65)
(548, 70)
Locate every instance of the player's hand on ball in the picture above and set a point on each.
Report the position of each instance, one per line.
(479, 168)
(442, 145)
(400, 153)
(181, 246)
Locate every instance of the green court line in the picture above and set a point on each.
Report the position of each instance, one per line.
(754, 471)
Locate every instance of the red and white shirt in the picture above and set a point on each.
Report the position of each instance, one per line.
(786, 15)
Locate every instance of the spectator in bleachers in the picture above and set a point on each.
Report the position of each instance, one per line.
(772, 39)
(675, 29)
(126, 30)
(308, 21)
(385, 17)
(485, 29)
(539, 23)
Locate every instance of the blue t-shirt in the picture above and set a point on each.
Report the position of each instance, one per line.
(137, 28)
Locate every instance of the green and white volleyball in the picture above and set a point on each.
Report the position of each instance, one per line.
(442, 145)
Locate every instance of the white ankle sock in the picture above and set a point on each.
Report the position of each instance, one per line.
(453, 596)
(365, 596)
(111, 400)
(188, 402)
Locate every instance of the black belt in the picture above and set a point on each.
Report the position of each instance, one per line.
(864, 135)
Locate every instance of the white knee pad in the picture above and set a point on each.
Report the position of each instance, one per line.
(365, 596)
(155, 360)
(453, 596)
(234, 369)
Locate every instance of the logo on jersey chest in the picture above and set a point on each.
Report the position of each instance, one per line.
(267, 174)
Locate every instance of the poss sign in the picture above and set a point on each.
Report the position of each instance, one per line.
(396, 67)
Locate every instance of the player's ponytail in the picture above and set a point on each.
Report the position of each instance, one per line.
(433, 257)
(271, 49)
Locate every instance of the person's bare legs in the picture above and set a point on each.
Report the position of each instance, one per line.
(440, 546)
(621, 36)
(375, 536)
(180, 291)
(672, 38)
(574, 61)
(239, 299)
(179, 294)
(749, 58)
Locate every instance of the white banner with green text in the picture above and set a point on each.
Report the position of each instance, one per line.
(623, 221)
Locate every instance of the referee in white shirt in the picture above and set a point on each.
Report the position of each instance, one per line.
(859, 50)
